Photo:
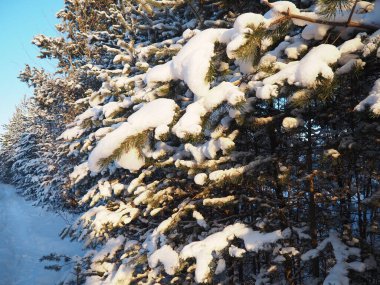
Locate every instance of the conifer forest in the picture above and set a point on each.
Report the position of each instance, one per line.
(205, 142)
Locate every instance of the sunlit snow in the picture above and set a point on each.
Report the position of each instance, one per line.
(26, 234)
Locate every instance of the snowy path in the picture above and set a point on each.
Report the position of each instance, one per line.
(26, 234)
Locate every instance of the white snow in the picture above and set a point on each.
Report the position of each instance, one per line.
(338, 273)
(221, 266)
(203, 251)
(350, 65)
(191, 121)
(267, 91)
(90, 114)
(109, 249)
(200, 178)
(26, 234)
(161, 131)
(152, 115)
(192, 63)
(291, 251)
(167, 256)
(209, 149)
(105, 189)
(72, 133)
(131, 160)
(247, 19)
(332, 152)
(271, 56)
(238, 35)
(122, 58)
(79, 172)
(292, 123)
(294, 50)
(315, 63)
(315, 32)
(200, 219)
(150, 244)
(220, 175)
(218, 201)
(111, 108)
(97, 217)
(372, 101)
(304, 72)
(124, 272)
(234, 251)
(118, 188)
(351, 46)
(102, 132)
(281, 7)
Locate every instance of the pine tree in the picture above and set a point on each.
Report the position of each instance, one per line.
(246, 152)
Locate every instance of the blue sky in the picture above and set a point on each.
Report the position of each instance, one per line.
(20, 20)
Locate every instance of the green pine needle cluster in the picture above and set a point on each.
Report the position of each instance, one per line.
(211, 73)
(251, 50)
(330, 8)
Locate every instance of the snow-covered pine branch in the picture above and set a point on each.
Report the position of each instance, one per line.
(211, 155)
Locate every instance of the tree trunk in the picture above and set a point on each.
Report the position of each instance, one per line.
(312, 205)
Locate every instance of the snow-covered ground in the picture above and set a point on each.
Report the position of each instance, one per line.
(26, 234)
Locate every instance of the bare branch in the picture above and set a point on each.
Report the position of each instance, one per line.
(349, 23)
(352, 11)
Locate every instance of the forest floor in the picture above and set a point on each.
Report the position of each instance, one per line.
(27, 233)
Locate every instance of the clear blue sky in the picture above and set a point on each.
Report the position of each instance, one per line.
(20, 20)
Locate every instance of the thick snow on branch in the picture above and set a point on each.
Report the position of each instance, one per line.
(203, 250)
(302, 73)
(79, 172)
(152, 115)
(372, 101)
(72, 133)
(191, 121)
(109, 249)
(192, 63)
(338, 274)
(167, 256)
(220, 175)
(98, 218)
